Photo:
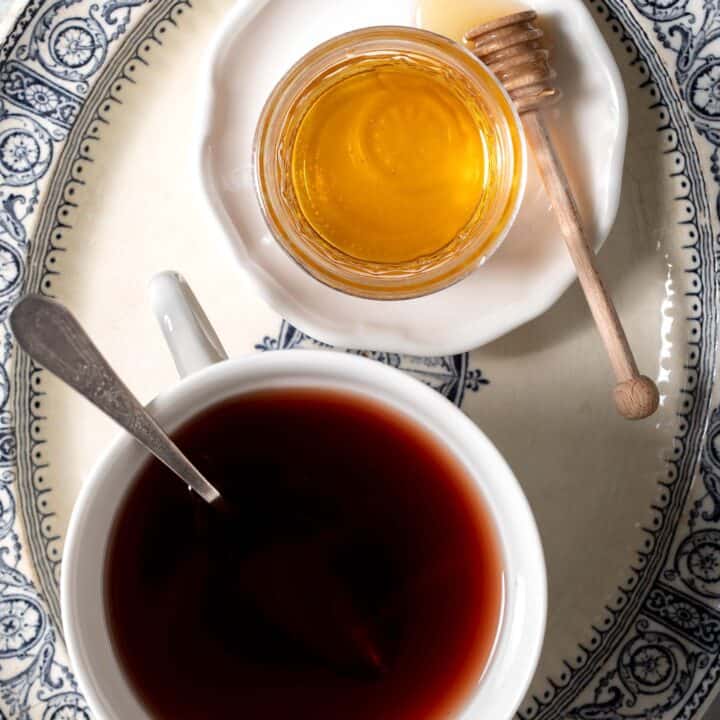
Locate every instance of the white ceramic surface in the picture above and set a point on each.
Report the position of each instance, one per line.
(521, 631)
(522, 279)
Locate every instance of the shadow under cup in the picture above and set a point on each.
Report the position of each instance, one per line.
(157, 629)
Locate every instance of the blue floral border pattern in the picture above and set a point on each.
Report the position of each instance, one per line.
(668, 661)
(48, 64)
(450, 375)
(120, 69)
(665, 661)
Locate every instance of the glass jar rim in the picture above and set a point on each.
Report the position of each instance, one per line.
(374, 280)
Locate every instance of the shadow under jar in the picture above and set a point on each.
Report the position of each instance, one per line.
(389, 163)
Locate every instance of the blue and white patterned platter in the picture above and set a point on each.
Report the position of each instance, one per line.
(98, 192)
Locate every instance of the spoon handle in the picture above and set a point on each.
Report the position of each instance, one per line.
(49, 333)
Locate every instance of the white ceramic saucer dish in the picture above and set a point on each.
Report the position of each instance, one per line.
(524, 278)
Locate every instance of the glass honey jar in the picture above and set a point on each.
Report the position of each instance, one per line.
(389, 163)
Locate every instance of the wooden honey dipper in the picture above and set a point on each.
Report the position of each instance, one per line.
(511, 47)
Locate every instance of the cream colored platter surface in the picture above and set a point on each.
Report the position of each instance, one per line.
(99, 191)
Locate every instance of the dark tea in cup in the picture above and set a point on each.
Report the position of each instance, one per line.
(357, 575)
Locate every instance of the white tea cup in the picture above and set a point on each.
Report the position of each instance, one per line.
(209, 378)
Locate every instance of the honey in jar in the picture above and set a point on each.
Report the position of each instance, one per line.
(389, 163)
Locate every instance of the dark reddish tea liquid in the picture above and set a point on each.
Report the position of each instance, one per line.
(357, 575)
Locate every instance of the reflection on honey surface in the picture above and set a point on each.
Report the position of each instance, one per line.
(454, 18)
(391, 161)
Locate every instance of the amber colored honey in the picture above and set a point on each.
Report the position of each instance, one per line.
(390, 162)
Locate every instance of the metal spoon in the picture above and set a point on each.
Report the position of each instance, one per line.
(49, 333)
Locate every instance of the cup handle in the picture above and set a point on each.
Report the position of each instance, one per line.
(191, 338)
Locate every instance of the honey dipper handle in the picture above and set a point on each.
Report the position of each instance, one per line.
(636, 396)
